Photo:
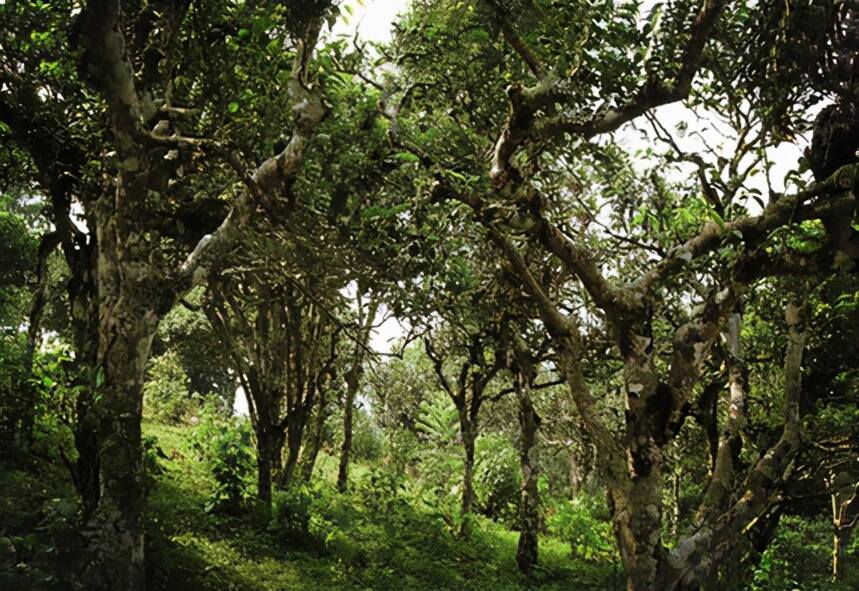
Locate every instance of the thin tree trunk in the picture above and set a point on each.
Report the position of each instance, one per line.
(722, 479)
(840, 541)
(575, 476)
(317, 438)
(269, 450)
(469, 436)
(85, 470)
(697, 558)
(845, 514)
(263, 471)
(47, 244)
(294, 436)
(529, 516)
(353, 383)
(346, 448)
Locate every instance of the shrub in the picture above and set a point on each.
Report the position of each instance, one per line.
(367, 439)
(584, 523)
(497, 477)
(799, 557)
(438, 420)
(291, 510)
(152, 456)
(400, 449)
(51, 396)
(225, 445)
(165, 393)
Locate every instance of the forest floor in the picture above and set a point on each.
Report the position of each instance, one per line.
(191, 547)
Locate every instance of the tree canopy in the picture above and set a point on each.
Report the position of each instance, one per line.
(621, 241)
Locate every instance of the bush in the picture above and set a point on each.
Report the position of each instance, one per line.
(225, 446)
(800, 557)
(400, 449)
(367, 440)
(152, 456)
(165, 393)
(291, 511)
(497, 477)
(16, 412)
(51, 397)
(584, 523)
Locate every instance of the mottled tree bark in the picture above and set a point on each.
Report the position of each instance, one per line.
(136, 285)
(529, 501)
(722, 480)
(129, 310)
(468, 431)
(85, 470)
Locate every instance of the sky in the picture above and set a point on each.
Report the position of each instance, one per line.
(371, 18)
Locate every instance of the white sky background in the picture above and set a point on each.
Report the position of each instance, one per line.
(371, 18)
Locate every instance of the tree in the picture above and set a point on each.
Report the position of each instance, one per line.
(145, 65)
(277, 321)
(366, 319)
(550, 166)
(474, 361)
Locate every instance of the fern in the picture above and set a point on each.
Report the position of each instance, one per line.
(438, 419)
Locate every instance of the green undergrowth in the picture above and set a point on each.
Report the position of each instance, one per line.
(374, 537)
(39, 539)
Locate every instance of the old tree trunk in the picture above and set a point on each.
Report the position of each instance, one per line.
(128, 324)
(529, 501)
(137, 282)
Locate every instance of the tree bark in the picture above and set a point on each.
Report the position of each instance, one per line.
(697, 558)
(348, 410)
(85, 470)
(840, 541)
(529, 502)
(637, 519)
(468, 431)
(722, 479)
(575, 478)
(128, 314)
(269, 450)
(845, 514)
(294, 436)
(317, 438)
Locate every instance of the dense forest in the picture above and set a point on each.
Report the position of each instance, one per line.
(531, 294)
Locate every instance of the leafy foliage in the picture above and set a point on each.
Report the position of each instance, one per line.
(165, 394)
(497, 478)
(225, 447)
(584, 523)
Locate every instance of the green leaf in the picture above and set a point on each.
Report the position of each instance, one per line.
(407, 157)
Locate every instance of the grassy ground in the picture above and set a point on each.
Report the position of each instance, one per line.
(189, 548)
